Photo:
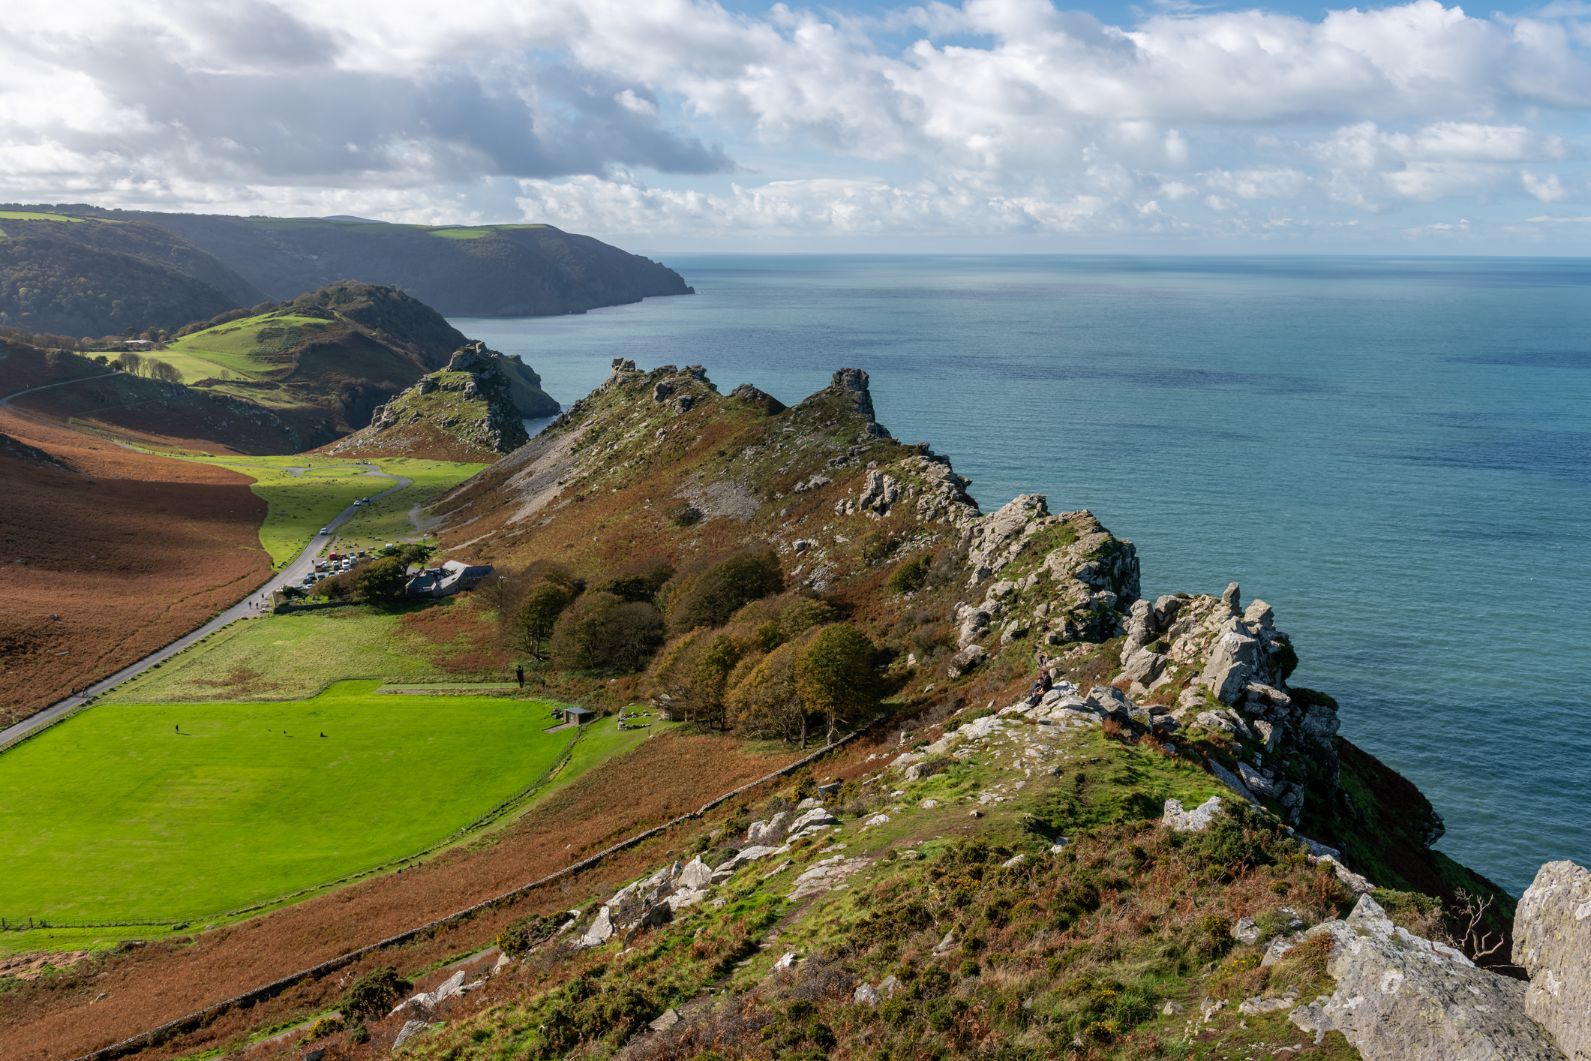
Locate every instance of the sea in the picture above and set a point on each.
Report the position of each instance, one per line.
(1394, 452)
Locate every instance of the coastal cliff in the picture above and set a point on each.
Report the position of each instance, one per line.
(1079, 822)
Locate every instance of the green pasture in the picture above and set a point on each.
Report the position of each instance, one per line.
(239, 349)
(115, 815)
(468, 232)
(390, 519)
(460, 233)
(304, 492)
(36, 215)
(289, 656)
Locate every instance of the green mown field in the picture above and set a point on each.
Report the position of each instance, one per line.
(115, 816)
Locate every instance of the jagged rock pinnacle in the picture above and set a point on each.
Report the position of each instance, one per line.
(855, 381)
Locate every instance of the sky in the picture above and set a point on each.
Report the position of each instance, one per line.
(986, 126)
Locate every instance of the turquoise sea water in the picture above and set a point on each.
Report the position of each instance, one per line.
(1395, 453)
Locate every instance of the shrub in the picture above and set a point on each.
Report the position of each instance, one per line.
(877, 546)
(639, 581)
(711, 596)
(684, 514)
(909, 575)
(604, 633)
(764, 702)
(520, 937)
(323, 1026)
(537, 615)
(834, 675)
(1235, 842)
(373, 995)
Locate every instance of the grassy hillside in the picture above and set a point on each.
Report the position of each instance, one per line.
(989, 863)
(91, 276)
(472, 410)
(338, 352)
(123, 403)
(495, 270)
(248, 348)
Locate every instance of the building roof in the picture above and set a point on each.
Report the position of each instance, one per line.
(577, 711)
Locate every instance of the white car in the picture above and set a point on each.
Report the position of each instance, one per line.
(325, 530)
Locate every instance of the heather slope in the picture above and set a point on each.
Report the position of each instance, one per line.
(109, 554)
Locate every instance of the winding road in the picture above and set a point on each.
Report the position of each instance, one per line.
(256, 604)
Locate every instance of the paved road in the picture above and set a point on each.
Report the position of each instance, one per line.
(253, 606)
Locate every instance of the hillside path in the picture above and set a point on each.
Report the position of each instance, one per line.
(253, 606)
(13, 396)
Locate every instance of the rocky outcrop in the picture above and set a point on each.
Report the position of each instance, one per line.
(1402, 997)
(652, 901)
(1061, 577)
(1552, 942)
(1227, 668)
(1179, 819)
(477, 404)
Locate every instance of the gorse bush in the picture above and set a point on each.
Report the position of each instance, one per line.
(909, 575)
(373, 995)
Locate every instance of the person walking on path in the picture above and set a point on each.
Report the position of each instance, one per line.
(519, 672)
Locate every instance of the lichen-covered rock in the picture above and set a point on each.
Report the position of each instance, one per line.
(600, 931)
(967, 659)
(1178, 819)
(1552, 942)
(1403, 998)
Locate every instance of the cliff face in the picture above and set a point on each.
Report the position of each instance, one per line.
(492, 271)
(473, 409)
(1084, 823)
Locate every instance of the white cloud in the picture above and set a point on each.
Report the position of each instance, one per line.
(1016, 114)
(1266, 182)
(1548, 188)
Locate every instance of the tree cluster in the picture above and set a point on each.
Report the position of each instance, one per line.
(148, 368)
(612, 627)
(781, 668)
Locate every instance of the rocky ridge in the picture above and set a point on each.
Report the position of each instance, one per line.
(474, 407)
(1202, 680)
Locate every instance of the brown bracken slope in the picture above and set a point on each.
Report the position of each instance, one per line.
(129, 550)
